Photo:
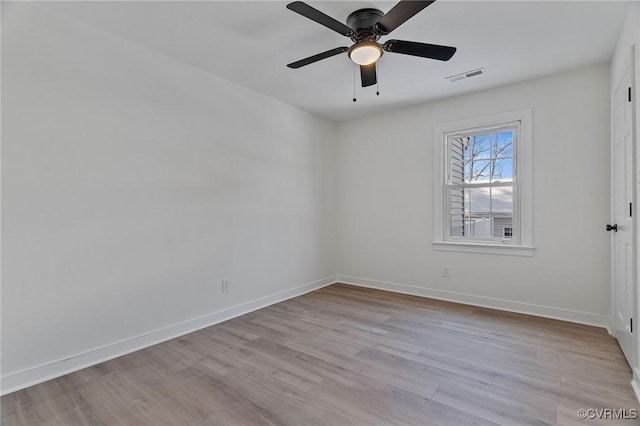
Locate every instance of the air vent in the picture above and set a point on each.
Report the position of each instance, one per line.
(464, 75)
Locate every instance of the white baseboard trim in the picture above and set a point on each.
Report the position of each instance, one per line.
(482, 301)
(38, 374)
(635, 383)
(31, 376)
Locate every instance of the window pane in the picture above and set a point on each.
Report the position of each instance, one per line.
(503, 146)
(485, 212)
(456, 166)
(478, 148)
(456, 212)
(478, 220)
(502, 157)
(481, 158)
(502, 199)
(502, 170)
(477, 158)
(502, 211)
(477, 171)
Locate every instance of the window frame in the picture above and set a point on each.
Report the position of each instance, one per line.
(522, 185)
(450, 187)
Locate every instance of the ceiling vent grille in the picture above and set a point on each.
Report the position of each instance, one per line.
(465, 75)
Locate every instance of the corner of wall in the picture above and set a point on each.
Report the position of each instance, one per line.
(38, 374)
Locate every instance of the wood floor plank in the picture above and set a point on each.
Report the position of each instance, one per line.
(496, 404)
(369, 403)
(349, 356)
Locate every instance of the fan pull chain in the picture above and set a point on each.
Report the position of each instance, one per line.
(377, 88)
(354, 84)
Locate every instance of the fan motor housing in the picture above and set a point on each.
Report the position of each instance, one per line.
(362, 22)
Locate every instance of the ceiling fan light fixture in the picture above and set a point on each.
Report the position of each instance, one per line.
(365, 53)
(365, 27)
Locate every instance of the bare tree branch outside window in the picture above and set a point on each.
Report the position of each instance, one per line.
(486, 158)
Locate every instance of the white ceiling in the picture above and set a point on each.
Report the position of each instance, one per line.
(250, 42)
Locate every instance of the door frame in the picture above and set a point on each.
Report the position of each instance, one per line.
(630, 61)
(635, 120)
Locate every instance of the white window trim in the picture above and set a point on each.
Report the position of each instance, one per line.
(524, 167)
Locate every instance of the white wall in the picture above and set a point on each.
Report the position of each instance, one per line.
(386, 206)
(133, 184)
(629, 35)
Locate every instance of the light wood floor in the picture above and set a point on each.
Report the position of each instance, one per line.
(344, 356)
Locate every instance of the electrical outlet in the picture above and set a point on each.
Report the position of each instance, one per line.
(225, 286)
(446, 272)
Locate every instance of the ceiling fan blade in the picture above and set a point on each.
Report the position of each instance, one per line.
(319, 17)
(368, 75)
(399, 14)
(318, 57)
(424, 50)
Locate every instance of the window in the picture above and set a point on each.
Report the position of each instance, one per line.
(483, 183)
(507, 232)
(479, 185)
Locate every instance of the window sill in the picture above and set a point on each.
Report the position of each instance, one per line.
(484, 248)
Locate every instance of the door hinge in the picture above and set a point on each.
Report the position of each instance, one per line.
(630, 209)
(631, 325)
(629, 92)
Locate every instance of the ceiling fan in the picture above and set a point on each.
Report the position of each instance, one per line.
(365, 27)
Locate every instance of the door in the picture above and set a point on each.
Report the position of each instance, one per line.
(623, 190)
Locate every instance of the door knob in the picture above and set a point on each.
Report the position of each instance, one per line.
(613, 228)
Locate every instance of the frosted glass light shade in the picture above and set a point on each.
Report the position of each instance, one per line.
(365, 53)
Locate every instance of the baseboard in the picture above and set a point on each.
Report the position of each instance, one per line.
(482, 301)
(32, 376)
(29, 377)
(635, 383)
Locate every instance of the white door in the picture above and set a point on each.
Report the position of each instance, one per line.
(623, 176)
